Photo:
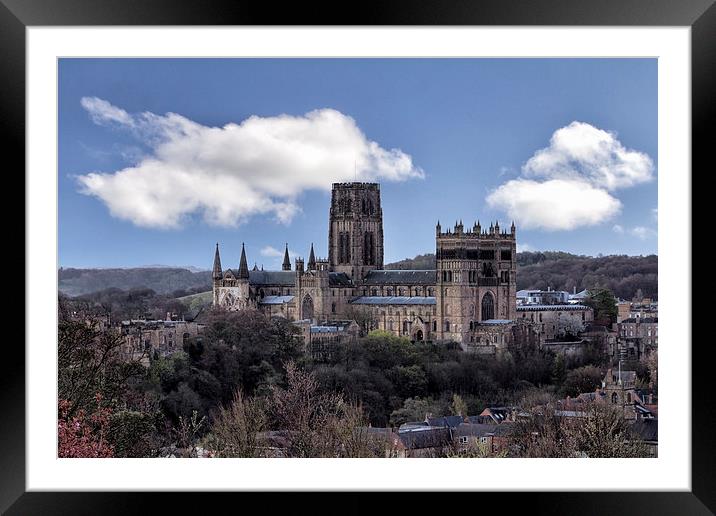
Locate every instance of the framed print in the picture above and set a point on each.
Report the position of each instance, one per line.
(259, 286)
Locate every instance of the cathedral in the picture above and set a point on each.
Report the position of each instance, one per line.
(470, 298)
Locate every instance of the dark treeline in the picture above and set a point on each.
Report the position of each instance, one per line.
(163, 280)
(114, 304)
(624, 275)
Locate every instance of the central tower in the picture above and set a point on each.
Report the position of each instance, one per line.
(355, 232)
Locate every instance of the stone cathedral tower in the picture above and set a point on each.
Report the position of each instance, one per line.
(355, 234)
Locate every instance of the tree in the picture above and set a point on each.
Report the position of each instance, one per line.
(582, 379)
(82, 433)
(235, 429)
(459, 407)
(602, 301)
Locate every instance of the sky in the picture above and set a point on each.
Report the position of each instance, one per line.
(160, 159)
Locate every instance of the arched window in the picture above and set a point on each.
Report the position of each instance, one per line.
(488, 307)
(390, 324)
(615, 398)
(390, 291)
(374, 292)
(447, 325)
(405, 326)
(435, 326)
(333, 308)
(307, 307)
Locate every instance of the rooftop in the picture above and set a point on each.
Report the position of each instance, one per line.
(401, 277)
(393, 300)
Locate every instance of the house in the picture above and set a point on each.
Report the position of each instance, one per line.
(426, 441)
(491, 438)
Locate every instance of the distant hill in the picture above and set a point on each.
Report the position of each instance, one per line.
(624, 275)
(163, 280)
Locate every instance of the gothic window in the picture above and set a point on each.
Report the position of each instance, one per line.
(374, 292)
(307, 307)
(333, 308)
(615, 398)
(405, 326)
(435, 326)
(390, 324)
(447, 325)
(390, 291)
(369, 248)
(431, 292)
(488, 307)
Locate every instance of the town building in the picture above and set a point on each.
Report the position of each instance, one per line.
(145, 338)
(637, 337)
(557, 321)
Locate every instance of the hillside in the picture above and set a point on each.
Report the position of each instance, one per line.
(163, 280)
(624, 275)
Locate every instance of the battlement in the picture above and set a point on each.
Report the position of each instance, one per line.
(356, 185)
(476, 232)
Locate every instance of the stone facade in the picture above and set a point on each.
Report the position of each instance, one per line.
(470, 298)
(557, 321)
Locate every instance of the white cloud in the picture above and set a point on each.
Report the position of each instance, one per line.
(271, 252)
(570, 183)
(618, 229)
(228, 174)
(524, 248)
(642, 232)
(556, 204)
(583, 152)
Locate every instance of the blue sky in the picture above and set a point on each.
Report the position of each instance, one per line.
(567, 147)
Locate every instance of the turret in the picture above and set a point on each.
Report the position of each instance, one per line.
(217, 272)
(438, 229)
(286, 261)
(512, 228)
(312, 260)
(243, 268)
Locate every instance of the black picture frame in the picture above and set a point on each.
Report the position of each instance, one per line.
(17, 15)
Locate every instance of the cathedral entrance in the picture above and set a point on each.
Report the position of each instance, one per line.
(419, 335)
(307, 307)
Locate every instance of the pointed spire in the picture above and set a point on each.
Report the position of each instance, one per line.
(311, 260)
(286, 261)
(243, 268)
(512, 228)
(256, 267)
(217, 273)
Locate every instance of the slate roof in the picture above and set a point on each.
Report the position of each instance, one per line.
(482, 430)
(398, 277)
(276, 300)
(427, 437)
(393, 300)
(554, 308)
(282, 278)
(495, 322)
(445, 421)
(637, 320)
(339, 279)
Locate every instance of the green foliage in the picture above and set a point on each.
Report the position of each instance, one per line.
(582, 379)
(602, 301)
